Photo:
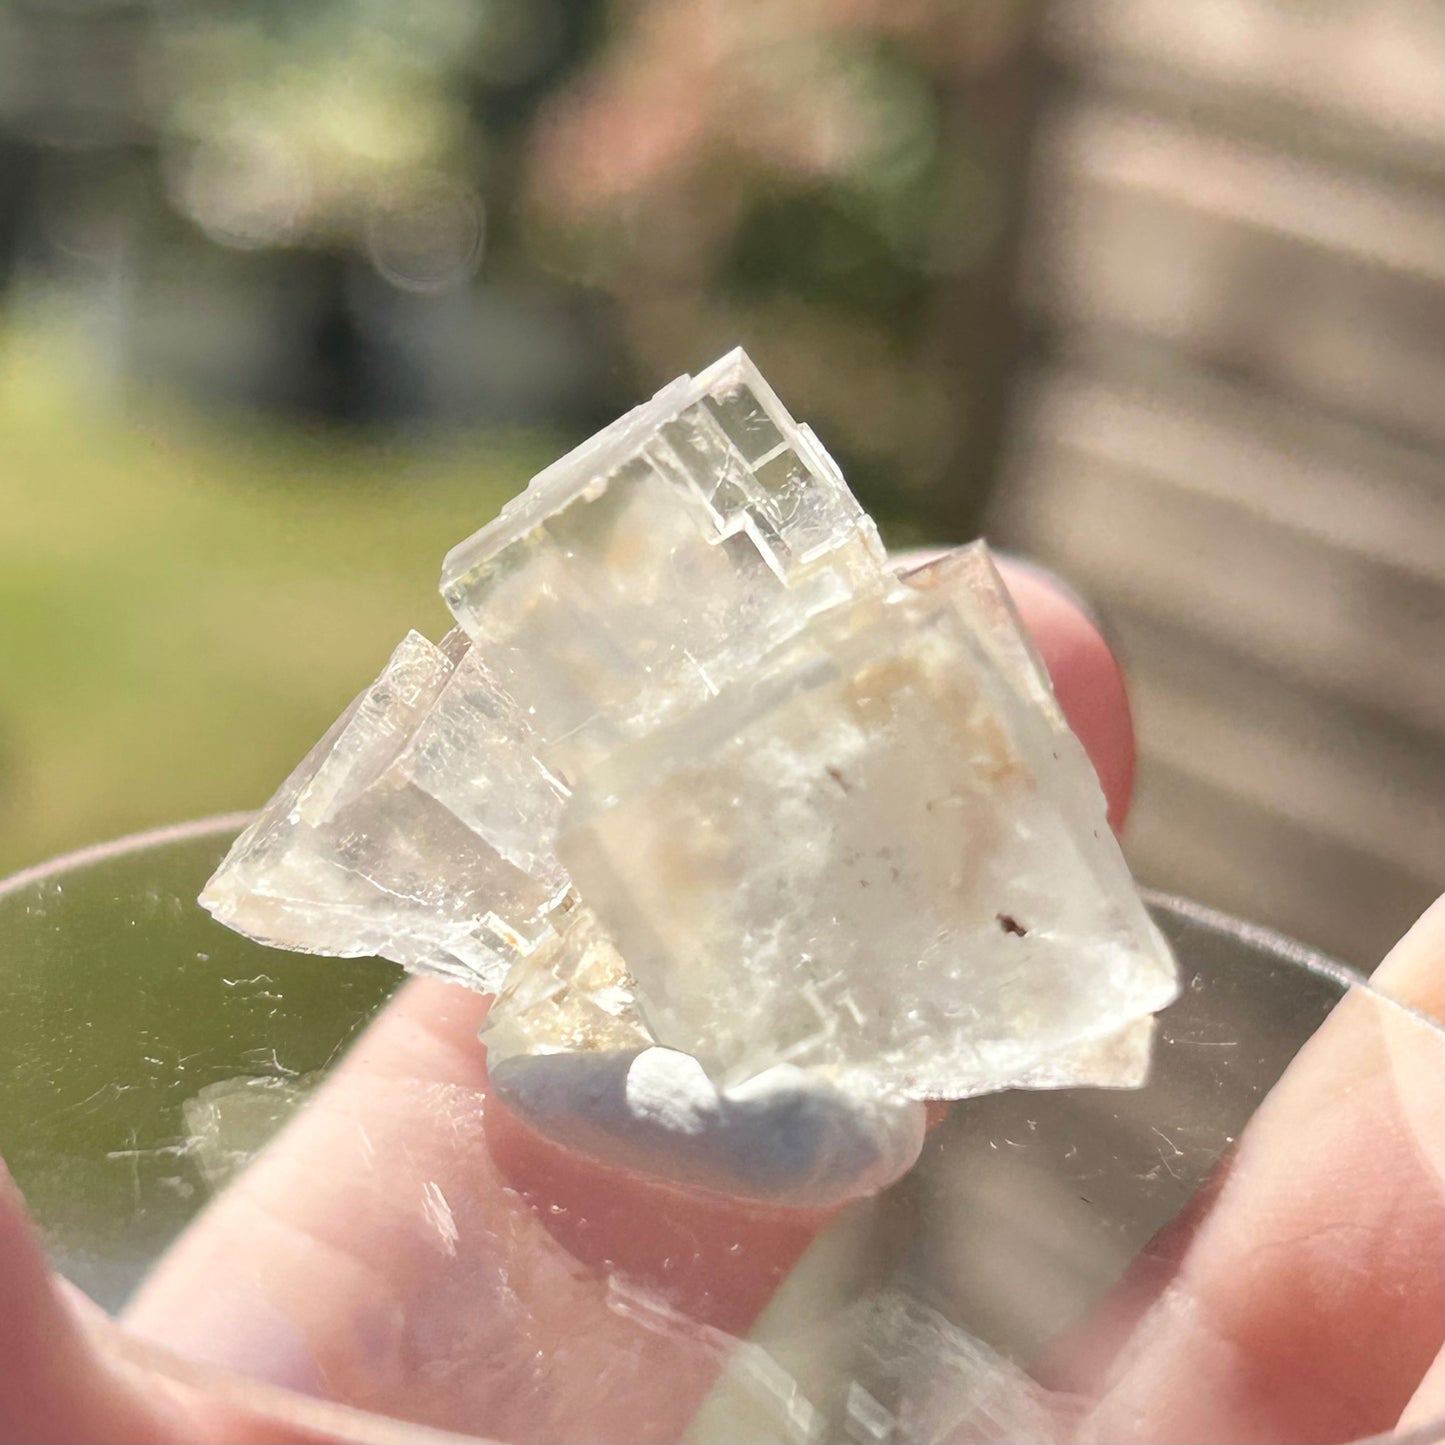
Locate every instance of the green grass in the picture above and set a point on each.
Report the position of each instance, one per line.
(187, 602)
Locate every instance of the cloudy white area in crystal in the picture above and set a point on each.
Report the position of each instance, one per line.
(873, 859)
(655, 565)
(696, 769)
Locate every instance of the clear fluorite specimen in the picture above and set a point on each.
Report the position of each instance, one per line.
(885, 857)
(637, 576)
(657, 564)
(403, 832)
(697, 770)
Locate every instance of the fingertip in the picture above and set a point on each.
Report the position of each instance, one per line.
(1413, 971)
(54, 1386)
(1427, 1405)
(721, 1259)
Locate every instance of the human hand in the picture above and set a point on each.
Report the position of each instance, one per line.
(398, 1248)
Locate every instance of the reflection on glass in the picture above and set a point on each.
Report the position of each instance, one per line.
(286, 1167)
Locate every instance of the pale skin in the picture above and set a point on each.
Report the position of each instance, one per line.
(1303, 1299)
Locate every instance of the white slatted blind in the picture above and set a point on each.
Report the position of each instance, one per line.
(1231, 439)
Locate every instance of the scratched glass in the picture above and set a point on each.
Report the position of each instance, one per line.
(163, 1074)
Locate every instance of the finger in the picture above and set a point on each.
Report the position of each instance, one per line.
(1427, 1405)
(788, 1137)
(1307, 1298)
(54, 1385)
(396, 1252)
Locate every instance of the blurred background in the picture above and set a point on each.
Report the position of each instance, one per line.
(292, 297)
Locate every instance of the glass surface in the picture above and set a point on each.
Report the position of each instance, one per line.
(493, 1288)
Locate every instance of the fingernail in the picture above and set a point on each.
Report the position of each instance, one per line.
(784, 1138)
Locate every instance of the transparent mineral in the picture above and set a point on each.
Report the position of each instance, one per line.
(418, 829)
(656, 564)
(632, 579)
(697, 770)
(884, 857)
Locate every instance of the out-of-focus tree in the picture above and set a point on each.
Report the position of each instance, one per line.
(252, 166)
(450, 208)
(351, 122)
(835, 183)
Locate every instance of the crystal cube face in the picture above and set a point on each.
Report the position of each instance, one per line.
(696, 768)
(874, 860)
(397, 835)
(652, 567)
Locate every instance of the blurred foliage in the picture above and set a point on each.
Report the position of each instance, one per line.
(432, 222)
(836, 184)
(263, 199)
(273, 123)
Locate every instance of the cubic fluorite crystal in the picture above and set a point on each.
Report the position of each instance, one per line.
(873, 859)
(698, 770)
